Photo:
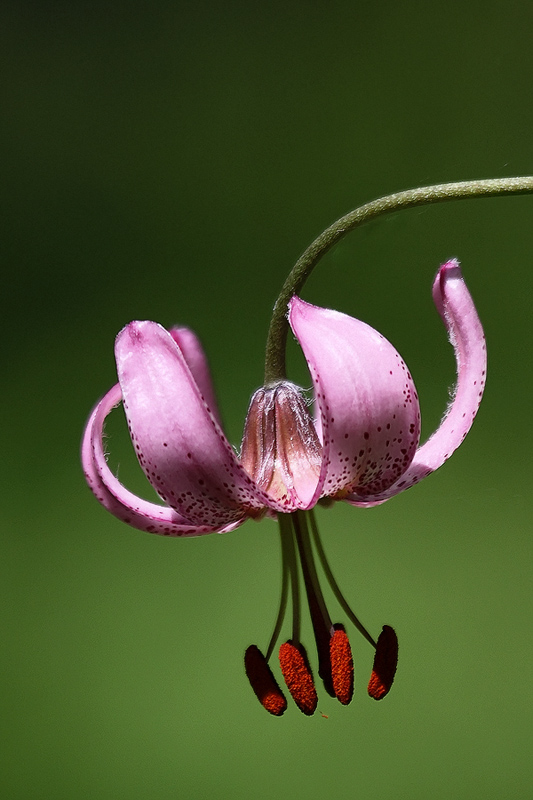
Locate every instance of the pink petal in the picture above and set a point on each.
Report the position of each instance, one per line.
(456, 307)
(280, 448)
(366, 397)
(178, 441)
(113, 495)
(194, 355)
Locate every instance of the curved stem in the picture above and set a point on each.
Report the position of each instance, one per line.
(425, 195)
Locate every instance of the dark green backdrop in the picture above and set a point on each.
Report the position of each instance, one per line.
(170, 161)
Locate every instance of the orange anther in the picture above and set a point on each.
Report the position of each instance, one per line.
(385, 663)
(263, 682)
(341, 666)
(298, 678)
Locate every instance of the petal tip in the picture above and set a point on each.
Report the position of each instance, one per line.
(295, 305)
(450, 269)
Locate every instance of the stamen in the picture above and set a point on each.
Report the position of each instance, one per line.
(263, 682)
(385, 663)
(320, 618)
(341, 666)
(298, 677)
(333, 583)
(289, 570)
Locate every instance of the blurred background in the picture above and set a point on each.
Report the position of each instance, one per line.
(170, 161)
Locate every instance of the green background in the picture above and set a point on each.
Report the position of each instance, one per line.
(170, 161)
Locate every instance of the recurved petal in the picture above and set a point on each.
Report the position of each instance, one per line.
(178, 441)
(368, 405)
(113, 495)
(456, 307)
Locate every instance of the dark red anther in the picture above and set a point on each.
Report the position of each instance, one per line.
(263, 682)
(298, 677)
(342, 673)
(385, 663)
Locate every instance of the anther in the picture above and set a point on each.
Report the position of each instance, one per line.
(263, 682)
(297, 674)
(385, 662)
(341, 666)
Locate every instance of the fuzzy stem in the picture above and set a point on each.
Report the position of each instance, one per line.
(277, 335)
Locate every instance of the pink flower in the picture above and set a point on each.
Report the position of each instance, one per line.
(362, 447)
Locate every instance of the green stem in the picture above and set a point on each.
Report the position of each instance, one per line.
(277, 335)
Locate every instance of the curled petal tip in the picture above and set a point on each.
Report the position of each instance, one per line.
(176, 435)
(458, 313)
(108, 490)
(450, 265)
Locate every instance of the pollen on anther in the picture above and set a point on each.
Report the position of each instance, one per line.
(297, 675)
(263, 682)
(385, 663)
(342, 673)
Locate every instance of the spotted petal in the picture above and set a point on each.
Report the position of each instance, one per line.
(115, 497)
(366, 398)
(178, 441)
(456, 307)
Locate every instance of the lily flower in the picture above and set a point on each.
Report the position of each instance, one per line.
(362, 446)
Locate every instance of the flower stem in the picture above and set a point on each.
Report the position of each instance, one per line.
(277, 336)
